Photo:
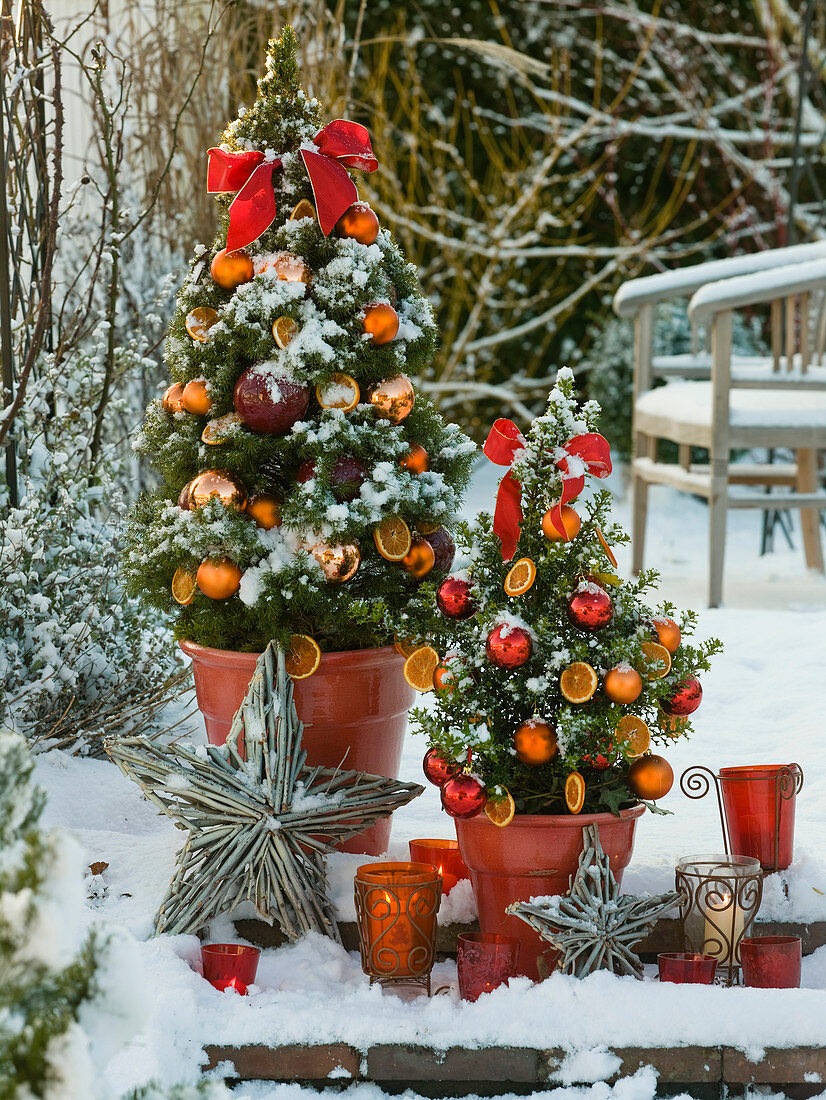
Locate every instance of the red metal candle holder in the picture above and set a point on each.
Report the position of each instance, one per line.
(684, 968)
(771, 962)
(444, 856)
(230, 965)
(396, 907)
(484, 960)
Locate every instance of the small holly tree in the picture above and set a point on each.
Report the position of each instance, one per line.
(557, 677)
(305, 486)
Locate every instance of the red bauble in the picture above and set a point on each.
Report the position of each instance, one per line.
(268, 403)
(443, 547)
(590, 607)
(508, 646)
(438, 768)
(454, 598)
(686, 698)
(306, 471)
(463, 796)
(346, 477)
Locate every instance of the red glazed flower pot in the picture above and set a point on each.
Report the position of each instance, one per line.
(759, 819)
(354, 709)
(532, 857)
(771, 962)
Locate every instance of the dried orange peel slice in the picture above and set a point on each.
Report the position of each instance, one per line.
(574, 792)
(609, 553)
(578, 682)
(633, 734)
(405, 647)
(420, 667)
(521, 576)
(500, 807)
(303, 656)
(199, 321)
(302, 209)
(284, 330)
(392, 538)
(341, 392)
(184, 586)
(657, 661)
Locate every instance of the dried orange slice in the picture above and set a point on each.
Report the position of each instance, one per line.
(284, 330)
(521, 576)
(341, 392)
(574, 792)
(220, 428)
(184, 586)
(302, 209)
(657, 660)
(392, 538)
(199, 321)
(303, 656)
(500, 807)
(634, 735)
(578, 682)
(608, 551)
(405, 646)
(425, 528)
(420, 667)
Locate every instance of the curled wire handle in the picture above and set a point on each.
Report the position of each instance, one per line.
(695, 782)
(790, 781)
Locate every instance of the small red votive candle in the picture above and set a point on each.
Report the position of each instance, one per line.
(771, 962)
(484, 961)
(230, 965)
(444, 856)
(686, 969)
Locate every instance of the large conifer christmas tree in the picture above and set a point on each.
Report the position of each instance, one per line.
(305, 488)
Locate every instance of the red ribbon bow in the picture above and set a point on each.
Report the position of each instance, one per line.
(341, 145)
(589, 453)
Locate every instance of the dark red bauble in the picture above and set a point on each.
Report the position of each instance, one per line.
(346, 478)
(508, 646)
(443, 547)
(686, 698)
(183, 499)
(306, 471)
(268, 403)
(454, 598)
(438, 768)
(590, 607)
(463, 796)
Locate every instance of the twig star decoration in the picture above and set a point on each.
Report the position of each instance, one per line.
(260, 821)
(593, 925)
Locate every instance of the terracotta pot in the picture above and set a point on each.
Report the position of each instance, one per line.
(534, 856)
(354, 709)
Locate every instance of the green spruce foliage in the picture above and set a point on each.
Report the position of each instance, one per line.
(283, 589)
(481, 706)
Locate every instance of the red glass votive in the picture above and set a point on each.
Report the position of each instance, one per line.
(444, 856)
(484, 960)
(230, 965)
(760, 820)
(683, 968)
(771, 962)
(396, 907)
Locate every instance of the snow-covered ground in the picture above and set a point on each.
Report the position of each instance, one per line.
(763, 703)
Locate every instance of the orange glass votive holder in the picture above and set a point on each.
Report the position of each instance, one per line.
(444, 856)
(396, 907)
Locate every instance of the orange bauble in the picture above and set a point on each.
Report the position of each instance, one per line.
(196, 398)
(231, 269)
(535, 742)
(416, 461)
(420, 558)
(668, 633)
(360, 223)
(219, 578)
(290, 268)
(265, 509)
(570, 521)
(393, 399)
(381, 322)
(217, 483)
(173, 398)
(650, 777)
(622, 684)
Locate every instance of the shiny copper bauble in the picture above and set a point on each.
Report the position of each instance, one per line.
(590, 608)
(269, 403)
(339, 563)
(416, 461)
(570, 521)
(438, 768)
(290, 268)
(347, 475)
(622, 684)
(173, 398)
(508, 646)
(463, 796)
(265, 509)
(231, 269)
(454, 599)
(359, 222)
(443, 547)
(650, 777)
(218, 578)
(196, 398)
(393, 399)
(381, 322)
(221, 484)
(685, 699)
(667, 632)
(535, 742)
(420, 558)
